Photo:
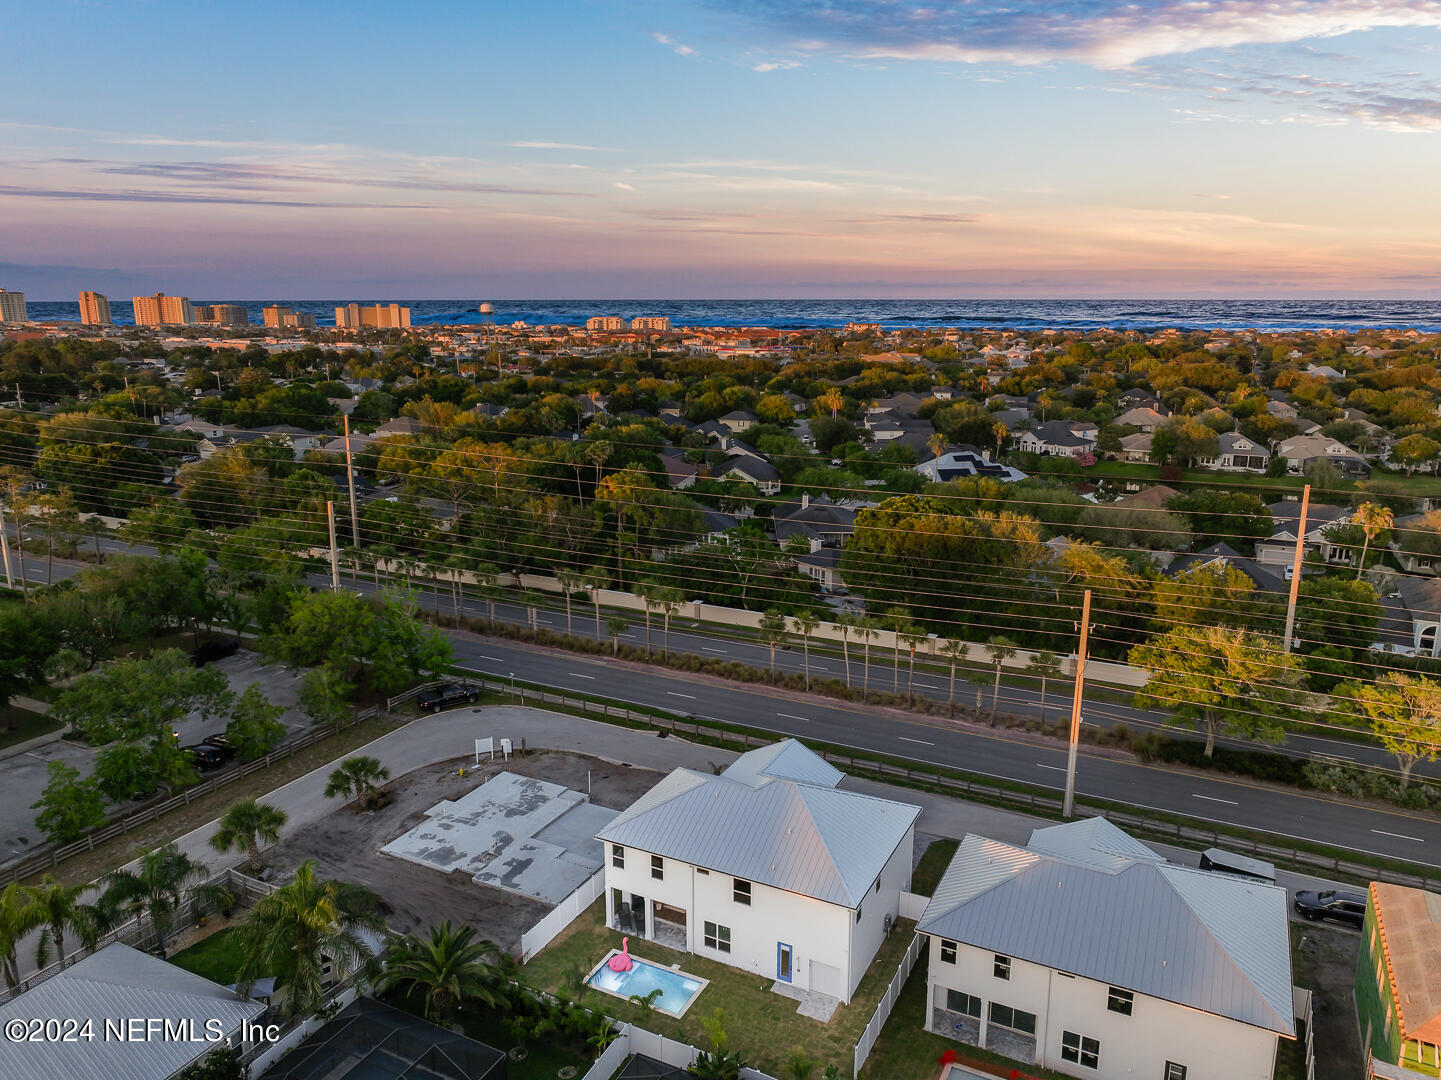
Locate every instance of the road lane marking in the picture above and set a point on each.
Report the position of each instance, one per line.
(793, 716)
(1053, 768)
(921, 741)
(578, 675)
(1212, 798)
(928, 686)
(1398, 836)
(496, 659)
(673, 693)
(707, 648)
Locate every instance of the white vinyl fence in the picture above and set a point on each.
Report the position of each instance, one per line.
(634, 1040)
(886, 1004)
(566, 912)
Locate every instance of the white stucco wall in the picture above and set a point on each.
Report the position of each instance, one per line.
(1139, 1045)
(870, 931)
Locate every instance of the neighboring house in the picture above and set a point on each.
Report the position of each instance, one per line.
(1142, 399)
(1144, 419)
(739, 420)
(823, 564)
(1398, 978)
(401, 425)
(1422, 600)
(1236, 453)
(1279, 549)
(1300, 450)
(1087, 953)
(1324, 371)
(1151, 497)
(114, 985)
(820, 520)
(1135, 447)
(680, 472)
(751, 470)
(1408, 545)
(203, 428)
(1281, 410)
(1222, 554)
(298, 439)
(768, 867)
(1057, 438)
(959, 462)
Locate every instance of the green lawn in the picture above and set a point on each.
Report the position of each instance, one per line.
(932, 865)
(217, 957)
(21, 724)
(764, 1027)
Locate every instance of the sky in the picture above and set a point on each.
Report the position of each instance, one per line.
(722, 149)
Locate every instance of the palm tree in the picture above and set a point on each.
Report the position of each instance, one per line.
(61, 910)
(936, 443)
(569, 582)
(1374, 519)
(955, 651)
(831, 400)
(998, 429)
(669, 602)
(1046, 666)
(898, 621)
(805, 625)
(1000, 649)
(615, 626)
(595, 581)
(912, 638)
(358, 778)
(447, 968)
(866, 631)
(773, 630)
(19, 915)
(247, 825)
(300, 928)
(647, 594)
(487, 577)
(844, 625)
(158, 886)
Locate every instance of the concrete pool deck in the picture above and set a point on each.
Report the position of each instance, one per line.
(513, 832)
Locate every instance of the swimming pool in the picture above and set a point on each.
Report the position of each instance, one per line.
(677, 989)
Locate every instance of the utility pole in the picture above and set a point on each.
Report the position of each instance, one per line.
(1075, 740)
(334, 554)
(5, 550)
(350, 479)
(1296, 568)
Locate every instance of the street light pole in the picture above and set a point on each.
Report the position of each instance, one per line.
(1070, 802)
(334, 554)
(350, 479)
(1296, 560)
(5, 550)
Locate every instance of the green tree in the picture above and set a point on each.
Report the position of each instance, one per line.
(254, 725)
(325, 695)
(805, 625)
(1414, 451)
(160, 883)
(1000, 649)
(26, 644)
(69, 805)
(246, 825)
(359, 778)
(446, 968)
(773, 632)
(19, 914)
(1044, 666)
(1373, 519)
(141, 699)
(1404, 713)
(615, 626)
(61, 910)
(1220, 679)
(954, 650)
(295, 931)
(1332, 610)
(1235, 517)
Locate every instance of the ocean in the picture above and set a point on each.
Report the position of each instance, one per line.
(802, 314)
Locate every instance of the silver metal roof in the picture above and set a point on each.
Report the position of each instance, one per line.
(118, 983)
(817, 841)
(1093, 841)
(785, 760)
(1208, 941)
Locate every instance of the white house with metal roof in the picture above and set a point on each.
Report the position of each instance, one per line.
(767, 867)
(110, 996)
(1087, 953)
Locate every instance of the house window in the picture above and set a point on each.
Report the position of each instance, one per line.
(1002, 968)
(741, 892)
(617, 856)
(963, 1003)
(1121, 1001)
(702, 871)
(1080, 1049)
(657, 867)
(1174, 1071)
(1015, 1019)
(948, 951)
(858, 914)
(717, 937)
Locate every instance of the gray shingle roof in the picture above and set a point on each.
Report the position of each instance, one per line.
(1085, 898)
(812, 840)
(117, 982)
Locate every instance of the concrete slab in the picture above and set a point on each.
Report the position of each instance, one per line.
(513, 832)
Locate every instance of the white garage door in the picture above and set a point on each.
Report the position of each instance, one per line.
(826, 980)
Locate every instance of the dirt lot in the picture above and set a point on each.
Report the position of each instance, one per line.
(346, 845)
(1325, 961)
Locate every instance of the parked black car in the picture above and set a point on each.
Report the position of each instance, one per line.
(1345, 907)
(221, 743)
(205, 756)
(449, 695)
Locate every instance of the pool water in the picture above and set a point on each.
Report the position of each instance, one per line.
(677, 989)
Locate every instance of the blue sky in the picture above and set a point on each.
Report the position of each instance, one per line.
(722, 148)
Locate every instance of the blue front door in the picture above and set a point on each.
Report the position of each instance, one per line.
(783, 962)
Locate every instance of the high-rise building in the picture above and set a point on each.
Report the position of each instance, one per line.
(605, 322)
(381, 316)
(222, 314)
(162, 310)
(651, 322)
(278, 316)
(95, 309)
(12, 307)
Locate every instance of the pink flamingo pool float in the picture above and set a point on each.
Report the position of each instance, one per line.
(621, 961)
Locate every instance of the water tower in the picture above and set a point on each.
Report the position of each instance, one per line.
(486, 311)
